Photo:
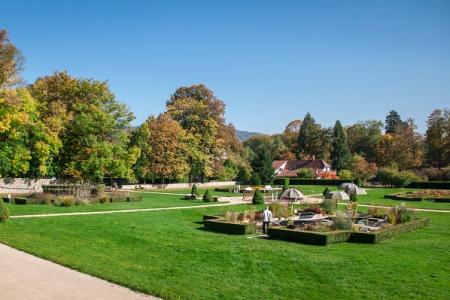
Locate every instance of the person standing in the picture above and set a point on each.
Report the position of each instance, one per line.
(267, 218)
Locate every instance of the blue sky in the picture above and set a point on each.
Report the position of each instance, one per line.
(270, 61)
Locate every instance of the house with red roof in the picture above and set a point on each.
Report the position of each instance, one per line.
(288, 168)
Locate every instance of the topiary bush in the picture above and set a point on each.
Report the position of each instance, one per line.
(258, 197)
(345, 174)
(207, 196)
(194, 190)
(256, 179)
(4, 212)
(354, 198)
(325, 191)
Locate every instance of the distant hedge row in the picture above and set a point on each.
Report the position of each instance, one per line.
(308, 181)
(439, 185)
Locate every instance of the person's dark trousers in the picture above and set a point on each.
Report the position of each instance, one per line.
(265, 226)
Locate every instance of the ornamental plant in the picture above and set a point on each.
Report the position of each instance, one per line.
(194, 190)
(207, 196)
(4, 212)
(258, 197)
(326, 191)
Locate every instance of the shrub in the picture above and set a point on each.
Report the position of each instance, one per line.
(305, 173)
(342, 222)
(328, 175)
(354, 198)
(44, 198)
(207, 196)
(329, 206)
(258, 197)
(395, 178)
(311, 181)
(194, 190)
(276, 208)
(315, 208)
(4, 212)
(286, 184)
(345, 174)
(20, 201)
(65, 201)
(256, 179)
(326, 191)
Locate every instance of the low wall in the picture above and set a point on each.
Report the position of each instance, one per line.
(23, 185)
(177, 185)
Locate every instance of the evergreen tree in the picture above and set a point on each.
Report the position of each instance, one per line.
(309, 139)
(258, 197)
(393, 122)
(340, 155)
(194, 190)
(256, 179)
(262, 164)
(207, 196)
(325, 191)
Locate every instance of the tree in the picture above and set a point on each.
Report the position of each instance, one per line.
(362, 170)
(194, 190)
(256, 179)
(363, 138)
(393, 122)
(258, 197)
(207, 196)
(325, 191)
(11, 62)
(167, 141)
(262, 164)
(345, 174)
(438, 138)
(310, 139)
(91, 124)
(201, 114)
(340, 155)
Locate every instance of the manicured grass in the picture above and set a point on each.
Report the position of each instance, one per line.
(169, 254)
(148, 201)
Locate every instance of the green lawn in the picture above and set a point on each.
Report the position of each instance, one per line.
(168, 254)
(148, 201)
(201, 191)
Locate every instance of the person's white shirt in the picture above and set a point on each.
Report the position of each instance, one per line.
(267, 215)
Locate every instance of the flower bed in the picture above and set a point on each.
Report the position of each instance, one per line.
(220, 225)
(309, 237)
(375, 237)
(436, 195)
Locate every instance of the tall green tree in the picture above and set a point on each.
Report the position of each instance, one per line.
(311, 139)
(438, 138)
(91, 124)
(262, 164)
(340, 155)
(364, 137)
(393, 122)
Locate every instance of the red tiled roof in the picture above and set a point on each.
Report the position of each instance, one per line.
(292, 166)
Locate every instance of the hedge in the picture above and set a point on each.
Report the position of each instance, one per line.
(211, 217)
(441, 185)
(306, 181)
(220, 225)
(444, 200)
(309, 237)
(5, 199)
(20, 201)
(376, 237)
(403, 198)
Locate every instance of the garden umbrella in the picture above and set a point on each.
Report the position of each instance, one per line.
(345, 185)
(355, 190)
(291, 194)
(337, 196)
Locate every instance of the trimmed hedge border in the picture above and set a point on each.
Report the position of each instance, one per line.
(20, 201)
(211, 217)
(376, 237)
(309, 237)
(442, 200)
(404, 198)
(5, 199)
(439, 185)
(307, 181)
(219, 225)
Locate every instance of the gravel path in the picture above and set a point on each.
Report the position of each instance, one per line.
(26, 277)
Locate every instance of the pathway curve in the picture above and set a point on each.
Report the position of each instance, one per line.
(28, 277)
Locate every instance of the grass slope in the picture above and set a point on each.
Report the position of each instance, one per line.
(168, 254)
